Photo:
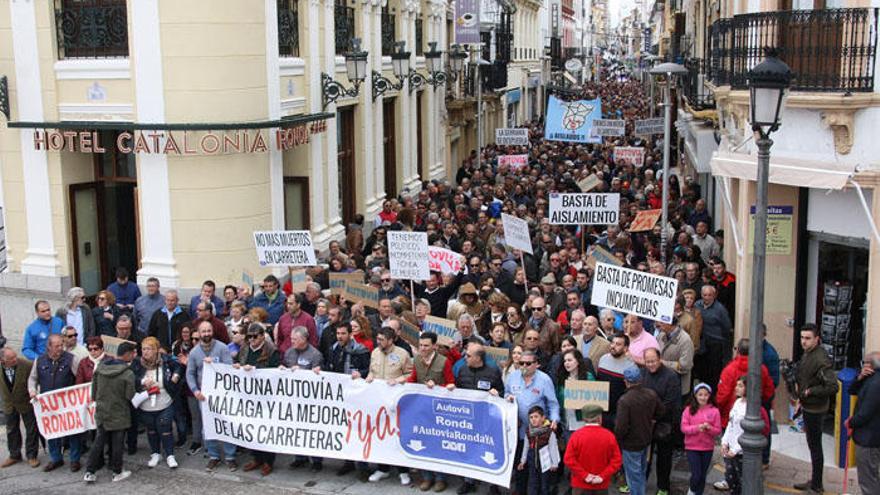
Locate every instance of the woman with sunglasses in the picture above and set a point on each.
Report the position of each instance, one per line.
(105, 313)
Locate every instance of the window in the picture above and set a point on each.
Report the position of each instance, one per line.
(91, 28)
(114, 165)
(288, 28)
(420, 42)
(344, 27)
(296, 203)
(388, 25)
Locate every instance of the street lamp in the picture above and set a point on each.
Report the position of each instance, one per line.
(434, 63)
(356, 69)
(400, 67)
(456, 61)
(768, 87)
(670, 71)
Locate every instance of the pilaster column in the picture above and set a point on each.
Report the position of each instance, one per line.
(273, 92)
(317, 184)
(331, 168)
(41, 258)
(153, 184)
(367, 131)
(378, 114)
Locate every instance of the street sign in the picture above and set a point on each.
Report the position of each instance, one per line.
(453, 431)
(573, 65)
(647, 127)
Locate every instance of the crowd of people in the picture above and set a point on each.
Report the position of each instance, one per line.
(675, 387)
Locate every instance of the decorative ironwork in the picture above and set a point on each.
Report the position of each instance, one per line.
(693, 89)
(332, 90)
(288, 28)
(828, 50)
(4, 97)
(504, 37)
(417, 80)
(388, 29)
(556, 53)
(91, 28)
(344, 26)
(420, 41)
(382, 85)
(495, 76)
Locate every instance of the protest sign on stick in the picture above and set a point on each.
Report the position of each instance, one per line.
(285, 248)
(444, 260)
(408, 255)
(634, 155)
(580, 393)
(516, 233)
(645, 220)
(584, 208)
(507, 136)
(631, 291)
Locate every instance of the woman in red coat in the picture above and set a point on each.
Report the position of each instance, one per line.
(86, 368)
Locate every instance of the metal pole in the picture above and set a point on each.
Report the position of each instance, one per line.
(478, 84)
(667, 124)
(752, 440)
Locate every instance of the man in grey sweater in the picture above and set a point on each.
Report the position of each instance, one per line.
(208, 351)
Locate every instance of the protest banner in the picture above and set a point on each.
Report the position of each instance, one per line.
(467, 22)
(589, 183)
(647, 127)
(506, 136)
(645, 220)
(247, 278)
(572, 120)
(609, 127)
(410, 333)
(408, 255)
(298, 280)
(499, 354)
(362, 293)
(580, 393)
(631, 291)
(515, 162)
(285, 248)
(338, 281)
(66, 411)
(583, 208)
(598, 253)
(516, 233)
(111, 344)
(461, 432)
(444, 260)
(634, 155)
(441, 326)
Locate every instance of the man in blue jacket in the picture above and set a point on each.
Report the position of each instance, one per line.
(37, 333)
(271, 299)
(864, 424)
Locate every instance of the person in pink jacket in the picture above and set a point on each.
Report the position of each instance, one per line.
(700, 424)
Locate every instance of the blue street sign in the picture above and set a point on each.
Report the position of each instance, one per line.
(453, 431)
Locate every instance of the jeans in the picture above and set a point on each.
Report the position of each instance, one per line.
(75, 448)
(96, 455)
(159, 434)
(634, 465)
(813, 426)
(765, 456)
(733, 468)
(432, 476)
(13, 434)
(180, 417)
(131, 435)
(196, 413)
(215, 446)
(700, 461)
(539, 483)
(867, 465)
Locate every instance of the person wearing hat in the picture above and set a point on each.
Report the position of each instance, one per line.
(700, 424)
(592, 454)
(637, 411)
(112, 390)
(468, 302)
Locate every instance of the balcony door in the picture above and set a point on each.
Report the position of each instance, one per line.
(811, 42)
(389, 145)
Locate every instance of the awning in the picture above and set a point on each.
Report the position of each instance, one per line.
(787, 171)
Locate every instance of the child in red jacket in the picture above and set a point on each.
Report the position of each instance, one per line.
(592, 455)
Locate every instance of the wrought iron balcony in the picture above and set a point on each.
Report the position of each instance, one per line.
(693, 89)
(91, 28)
(344, 18)
(555, 47)
(495, 76)
(828, 50)
(288, 28)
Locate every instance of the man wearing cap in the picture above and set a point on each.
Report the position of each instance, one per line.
(637, 410)
(553, 295)
(592, 455)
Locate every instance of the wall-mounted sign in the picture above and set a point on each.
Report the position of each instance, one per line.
(179, 142)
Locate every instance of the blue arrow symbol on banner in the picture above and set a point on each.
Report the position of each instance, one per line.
(417, 446)
(489, 458)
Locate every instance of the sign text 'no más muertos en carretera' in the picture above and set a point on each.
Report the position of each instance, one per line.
(463, 432)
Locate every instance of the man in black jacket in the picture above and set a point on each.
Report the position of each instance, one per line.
(864, 424)
(667, 384)
(166, 323)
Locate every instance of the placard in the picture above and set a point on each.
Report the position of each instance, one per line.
(441, 326)
(298, 280)
(460, 432)
(631, 291)
(410, 333)
(445, 261)
(66, 411)
(285, 248)
(111, 344)
(499, 354)
(506, 136)
(583, 208)
(634, 155)
(351, 286)
(580, 393)
(609, 127)
(647, 127)
(598, 253)
(645, 220)
(572, 120)
(516, 233)
(589, 183)
(408, 255)
(515, 162)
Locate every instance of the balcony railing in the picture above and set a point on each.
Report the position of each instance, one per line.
(693, 89)
(344, 26)
(828, 50)
(288, 28)
(556, 53)
(91, 28)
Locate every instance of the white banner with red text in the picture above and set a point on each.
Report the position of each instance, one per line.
(463, 432)
(66, 411)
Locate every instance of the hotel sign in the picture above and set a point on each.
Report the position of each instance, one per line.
(186, 142)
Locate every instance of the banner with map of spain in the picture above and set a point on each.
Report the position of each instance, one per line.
(572, 120)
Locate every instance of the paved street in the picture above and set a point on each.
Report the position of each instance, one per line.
(22, 479)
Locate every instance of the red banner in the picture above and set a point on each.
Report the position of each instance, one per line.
(65, 411)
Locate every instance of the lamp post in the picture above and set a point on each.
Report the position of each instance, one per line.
(669, 70)
(356, 69)
(768, 87)
(456, 61)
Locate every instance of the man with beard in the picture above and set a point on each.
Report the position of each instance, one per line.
(208, 351)
(610, 369)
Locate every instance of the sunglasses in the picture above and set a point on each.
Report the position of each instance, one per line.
(253, 336)
(71, 335)
(537, 309)
(94, 348)
(526, 363)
